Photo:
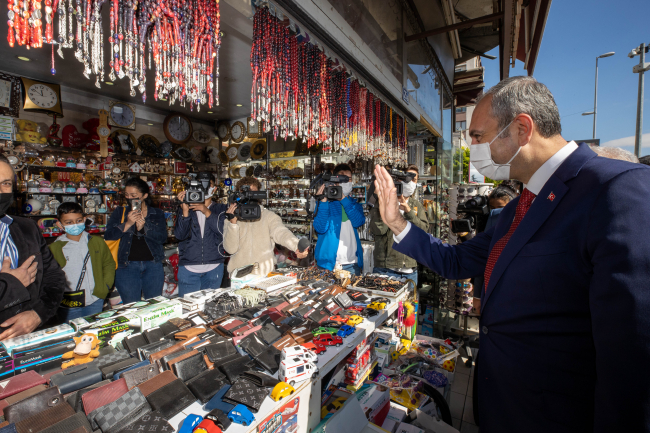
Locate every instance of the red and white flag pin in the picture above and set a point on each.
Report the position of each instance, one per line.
(551, 196)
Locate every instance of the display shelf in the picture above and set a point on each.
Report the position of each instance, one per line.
(69, 193)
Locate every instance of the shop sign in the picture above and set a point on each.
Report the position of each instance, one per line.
(283, 420)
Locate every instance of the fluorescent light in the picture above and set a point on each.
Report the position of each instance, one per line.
(163, 99)
(210, 112)
(24, 59)
(108, 82)
(239, 105)
(150, 124)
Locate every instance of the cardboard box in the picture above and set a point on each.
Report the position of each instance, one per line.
(158, 314)
(373, 402)
(408, 428)
(25, 357)
(395, 416)
(37, 336)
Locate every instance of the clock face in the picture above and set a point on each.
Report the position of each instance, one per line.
(232, 153)
(42, 95)
(179, 128)
(222, 131)
(117, 170)
(103, 131)
(122, 115)
(237, 131)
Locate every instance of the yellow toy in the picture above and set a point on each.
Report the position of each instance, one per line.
(406, 345)
(449, 365)
(282, 390)
(85, 351)
(354, 320)
(27, 131)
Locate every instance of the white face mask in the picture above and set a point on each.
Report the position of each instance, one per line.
(408, 188)
(347, 188)
(211, 191)
(480, 155)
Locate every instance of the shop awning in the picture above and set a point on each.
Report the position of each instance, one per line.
(468, 85)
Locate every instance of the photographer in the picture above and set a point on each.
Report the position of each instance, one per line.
(499, 198)
(336, 223)
(199, 229)
(387, 260)
(252, 242)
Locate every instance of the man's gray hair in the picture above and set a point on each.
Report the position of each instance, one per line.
(615, 153)
(525, 95)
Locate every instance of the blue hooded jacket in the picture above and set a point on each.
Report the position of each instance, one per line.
(327, 224)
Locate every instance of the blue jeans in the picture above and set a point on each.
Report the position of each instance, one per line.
(67, 314)
(353, 268)
(385, 271)
(189, 282)
(138, 278)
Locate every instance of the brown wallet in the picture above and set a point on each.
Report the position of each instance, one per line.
(151, 385)
(34, 404)
(189, 333)
(43, 420)
(21, 396)
(171, 363)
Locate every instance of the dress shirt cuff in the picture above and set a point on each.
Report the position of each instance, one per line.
(398, 238)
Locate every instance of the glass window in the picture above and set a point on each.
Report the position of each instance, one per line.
(461, 126)
(423, 84)
(300, 370)
(379, 25)
(461, 109)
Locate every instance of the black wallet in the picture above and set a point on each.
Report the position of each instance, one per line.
(247, 393)
(218, 351)
(109, 370)
(121, 413)
(171, 399)
(233, 368)
(269, 333)
(152, 335)
(151, 422)
(165, 359)
(188, 368)
(72, 424)
(145, 351)
(269, 359)
(168, 328)
(207, 334)
(205, 385)
(111, 358)
(77, 377)
(133, 342)
(252, 345)
(259, 378)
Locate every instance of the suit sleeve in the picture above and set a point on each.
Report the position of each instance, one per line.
(354, 210)
(183, 226)
(322, 219)
(53, 284)
(619, 299)
(453, 262)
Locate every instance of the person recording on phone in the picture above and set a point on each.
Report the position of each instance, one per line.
(199, 229)
(253, 241)
(387, 260)
(142, 231)
(336, 223)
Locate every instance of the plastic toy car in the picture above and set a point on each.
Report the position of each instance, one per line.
(356, 307)
(332, 407)
(241, 415)
(345, 331)
(219, 418)
(190, 423)
(337, 318)
(328, 340)
(355, 320)
(317, 349)
(293, 351)
(282, 390)
(324, 330)
(377, 305)
(369, 312)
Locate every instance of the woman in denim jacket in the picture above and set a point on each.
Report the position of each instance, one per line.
(141, 235)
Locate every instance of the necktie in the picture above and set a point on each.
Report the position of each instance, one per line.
(7, 245)
(525, 200)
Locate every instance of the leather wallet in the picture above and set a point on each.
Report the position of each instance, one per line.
(171, 399)
(169, 360)
(151, 422)
(252, 345)
(218, 351)
(98, 397)
(76, 398)
(168, 328)
(156, 357)
(205, 385)
(180, 323)
(216, 402)
(120, 373)
(77, 377)
(241, 330)
(248, 331)
(207, 334)
(247, 393)
(139, 375)
(22, 395)
(112, 358)
(269, 359)
(145, 352)
(259, 378)
(189, 367)
(189, 333)
(156, 383)
(124, 411)
(20, 383)
(152, 335)
(32, 405)
(133, 342)
(269, 333)
(109, 370)
(232, 369)
(285, 341)
(71, 425)
(42, 420)
(301, 334)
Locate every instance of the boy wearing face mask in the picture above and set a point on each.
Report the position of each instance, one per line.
(387, 260)
(87, 262)
(199, 228)
(336, 223)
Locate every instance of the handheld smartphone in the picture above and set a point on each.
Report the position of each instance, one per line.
(136, 205)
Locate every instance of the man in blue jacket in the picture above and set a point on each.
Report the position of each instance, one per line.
(566, 273)
(199, 228)
(336, 223)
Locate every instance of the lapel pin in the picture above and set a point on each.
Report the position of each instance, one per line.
(551, 196)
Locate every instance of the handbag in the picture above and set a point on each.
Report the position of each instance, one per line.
(114, 246)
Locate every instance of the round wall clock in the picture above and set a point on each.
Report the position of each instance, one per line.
(223, 131)
(244, 152)
(177, 128)
(202, 136)
(232, 153)
(237, 132)
(121, 114)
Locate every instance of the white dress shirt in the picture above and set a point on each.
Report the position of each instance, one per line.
(536, 182)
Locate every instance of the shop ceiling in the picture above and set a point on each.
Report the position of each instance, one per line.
(234, 83)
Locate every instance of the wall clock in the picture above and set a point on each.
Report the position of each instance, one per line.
(223, 131)
(177, 128)
(232, 152)
(103, 132)
(237, 132)
(202, 136)
(122, 115)
(42, 97)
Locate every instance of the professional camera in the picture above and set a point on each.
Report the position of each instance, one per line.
(198, 187)
(474, 212)
(332, 191)
(398, 177)
(247, 207)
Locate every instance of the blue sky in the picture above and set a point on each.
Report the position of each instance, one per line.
(576, 33)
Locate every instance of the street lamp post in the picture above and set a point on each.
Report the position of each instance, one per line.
(611, 53)
(642, 67)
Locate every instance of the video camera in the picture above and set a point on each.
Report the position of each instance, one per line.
(398, 176)
(475, 212)
(247, 207)
(332, 191)
(199, 185)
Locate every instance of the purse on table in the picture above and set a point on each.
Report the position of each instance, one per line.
(145, 352)
(98, 397)
(151, 385)
(42, 420)
(133, 342)
(119, 374)
(139, 375)
(122, 412)
(111, 358)
(259, 378)
(219, 351)
(152, 335)
(22, 395)
(76, 398)
(171, 399)
(247, 393)
(151, 422)
(30, 406)
(216, 402)
(189, 367)
(20, 383)
(205, 385)
(232, 369)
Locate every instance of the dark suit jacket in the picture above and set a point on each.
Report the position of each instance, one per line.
(45, 293)
(565, 319)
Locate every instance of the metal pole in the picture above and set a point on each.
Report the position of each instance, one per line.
(639, 104)
(596, 98)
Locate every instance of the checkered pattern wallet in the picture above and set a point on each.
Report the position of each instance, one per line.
(122, 412)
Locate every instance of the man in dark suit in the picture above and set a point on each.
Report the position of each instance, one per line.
(31, 281)
(565, 304)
